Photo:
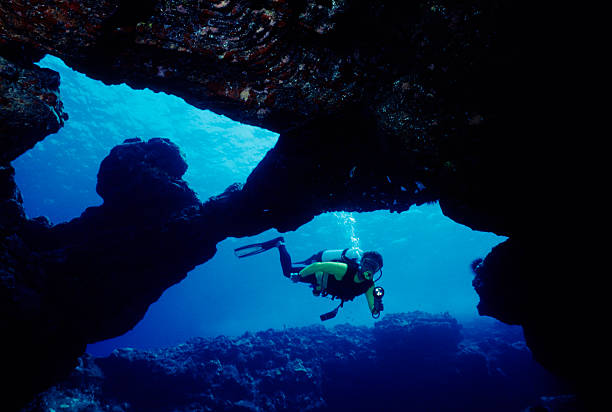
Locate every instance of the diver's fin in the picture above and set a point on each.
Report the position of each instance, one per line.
(332, 314)
(256, 248)
(329, 315)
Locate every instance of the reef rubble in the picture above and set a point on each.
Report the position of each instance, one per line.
(405, 360)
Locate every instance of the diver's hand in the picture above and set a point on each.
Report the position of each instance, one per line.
(295, 278)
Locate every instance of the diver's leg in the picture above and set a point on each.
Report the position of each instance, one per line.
(317, 257)
(285, 261)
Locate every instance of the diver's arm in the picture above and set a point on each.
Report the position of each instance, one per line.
(333, 268)
(370, 298)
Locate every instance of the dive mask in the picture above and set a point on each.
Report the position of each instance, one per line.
(369, 268)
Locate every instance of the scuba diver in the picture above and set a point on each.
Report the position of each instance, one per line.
(342, 274)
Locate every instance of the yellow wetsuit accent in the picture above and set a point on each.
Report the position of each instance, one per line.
(370, 298)
(337, 269)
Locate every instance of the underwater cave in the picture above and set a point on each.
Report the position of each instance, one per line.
(427, 255)
(141, 146)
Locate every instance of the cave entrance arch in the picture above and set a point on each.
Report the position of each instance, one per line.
(423, 248)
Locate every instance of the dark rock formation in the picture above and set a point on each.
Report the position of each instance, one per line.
(380, 105)
(416, 360)
(549, 315)
(30, 108)
(60, 284)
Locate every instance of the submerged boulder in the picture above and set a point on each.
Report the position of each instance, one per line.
(145, 176)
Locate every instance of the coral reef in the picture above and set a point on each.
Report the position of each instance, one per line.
(319, 369)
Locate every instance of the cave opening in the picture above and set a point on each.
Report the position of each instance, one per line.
(427, 256)
(63, 182)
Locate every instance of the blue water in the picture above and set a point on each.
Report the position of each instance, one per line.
(426, 255)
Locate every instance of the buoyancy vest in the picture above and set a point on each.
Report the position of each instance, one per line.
(347, 289)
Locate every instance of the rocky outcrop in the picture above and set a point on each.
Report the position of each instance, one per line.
(379, 105)
(30, 108)
(549, 315)
(58, 280)
(406, 359)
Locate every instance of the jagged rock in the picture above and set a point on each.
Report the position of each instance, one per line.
(11, 211)
(30, 108)
(552, 325)
(318, 369)
(56, 277)
(28, 318)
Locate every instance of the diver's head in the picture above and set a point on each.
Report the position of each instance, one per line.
(371, 262)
